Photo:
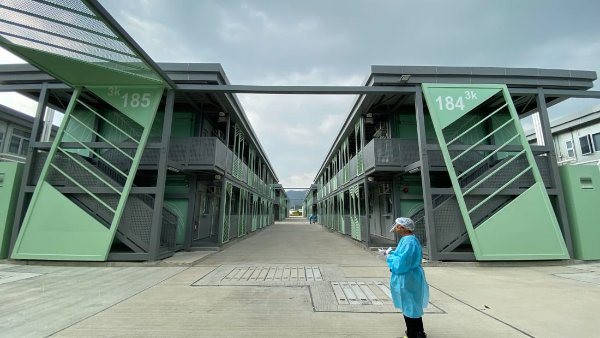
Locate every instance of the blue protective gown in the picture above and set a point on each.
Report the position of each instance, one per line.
(410, 291)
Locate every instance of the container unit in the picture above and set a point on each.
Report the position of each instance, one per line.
(581, 184)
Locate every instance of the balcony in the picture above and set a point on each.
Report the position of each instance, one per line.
(193, 153)
(389, 154)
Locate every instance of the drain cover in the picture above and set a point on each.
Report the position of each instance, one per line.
(263, 275)
(275, 273)
(365, 293)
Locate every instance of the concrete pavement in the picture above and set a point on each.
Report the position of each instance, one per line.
(293, 279)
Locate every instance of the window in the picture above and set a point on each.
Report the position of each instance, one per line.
(1, 139)
(595, 138)
(19, 142)
(586, 145)
(570, 149)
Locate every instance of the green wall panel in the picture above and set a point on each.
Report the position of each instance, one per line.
(525, 229)
(10, 180)
(581, 186)
(183, 124)
(60, 230)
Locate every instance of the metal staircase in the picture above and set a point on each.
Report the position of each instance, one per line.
(501, 197)
(88, 51)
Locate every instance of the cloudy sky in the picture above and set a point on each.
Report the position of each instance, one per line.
(320, 42)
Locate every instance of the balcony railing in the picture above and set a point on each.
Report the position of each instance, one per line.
(197, 153)
(8, 157)
(390, 153)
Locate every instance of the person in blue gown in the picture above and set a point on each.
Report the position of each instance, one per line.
(410, 291)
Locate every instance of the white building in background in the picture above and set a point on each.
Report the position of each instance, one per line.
(576, 137)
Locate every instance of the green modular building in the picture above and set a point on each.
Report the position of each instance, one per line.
(445, 146)
(140, 167)
(152, 158)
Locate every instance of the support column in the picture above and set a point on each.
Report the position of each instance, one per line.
(161, 178)
(366, 191)
(553, 166)
(191, 220)
(425, 180)
(20, 209)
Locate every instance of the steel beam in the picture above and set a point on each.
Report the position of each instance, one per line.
(161, 178)
(553, 166)
(556, 92)
(425, 179)
(314, 90)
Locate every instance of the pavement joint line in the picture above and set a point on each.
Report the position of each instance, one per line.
(206, 274)
(117, 303)
(573, 279)
(484, 313)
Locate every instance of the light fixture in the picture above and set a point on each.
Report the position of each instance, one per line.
(369, 119)
(404, 78)
(217, 177)
(169, 168)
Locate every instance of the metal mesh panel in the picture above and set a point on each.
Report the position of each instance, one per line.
(118, 159)
(221, 155)
(395, 152)
(80, 174)
(36, 168)
(436, 158)
(543, 163)
(505, 174)
(202, 150)
(150, 156)
(136, 221)
(95, 208)
(448, 222)
(75, 5)
(69, 29)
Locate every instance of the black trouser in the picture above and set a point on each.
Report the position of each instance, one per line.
(414, 326)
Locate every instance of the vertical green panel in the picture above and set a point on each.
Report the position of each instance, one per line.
(507, 233)
(581, 186)
(243, 205)
(226, 213)
(10, 180)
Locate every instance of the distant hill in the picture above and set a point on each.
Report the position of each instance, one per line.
(296, 197)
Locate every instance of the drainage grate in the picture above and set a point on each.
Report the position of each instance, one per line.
(275, 273)
(361, 293)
